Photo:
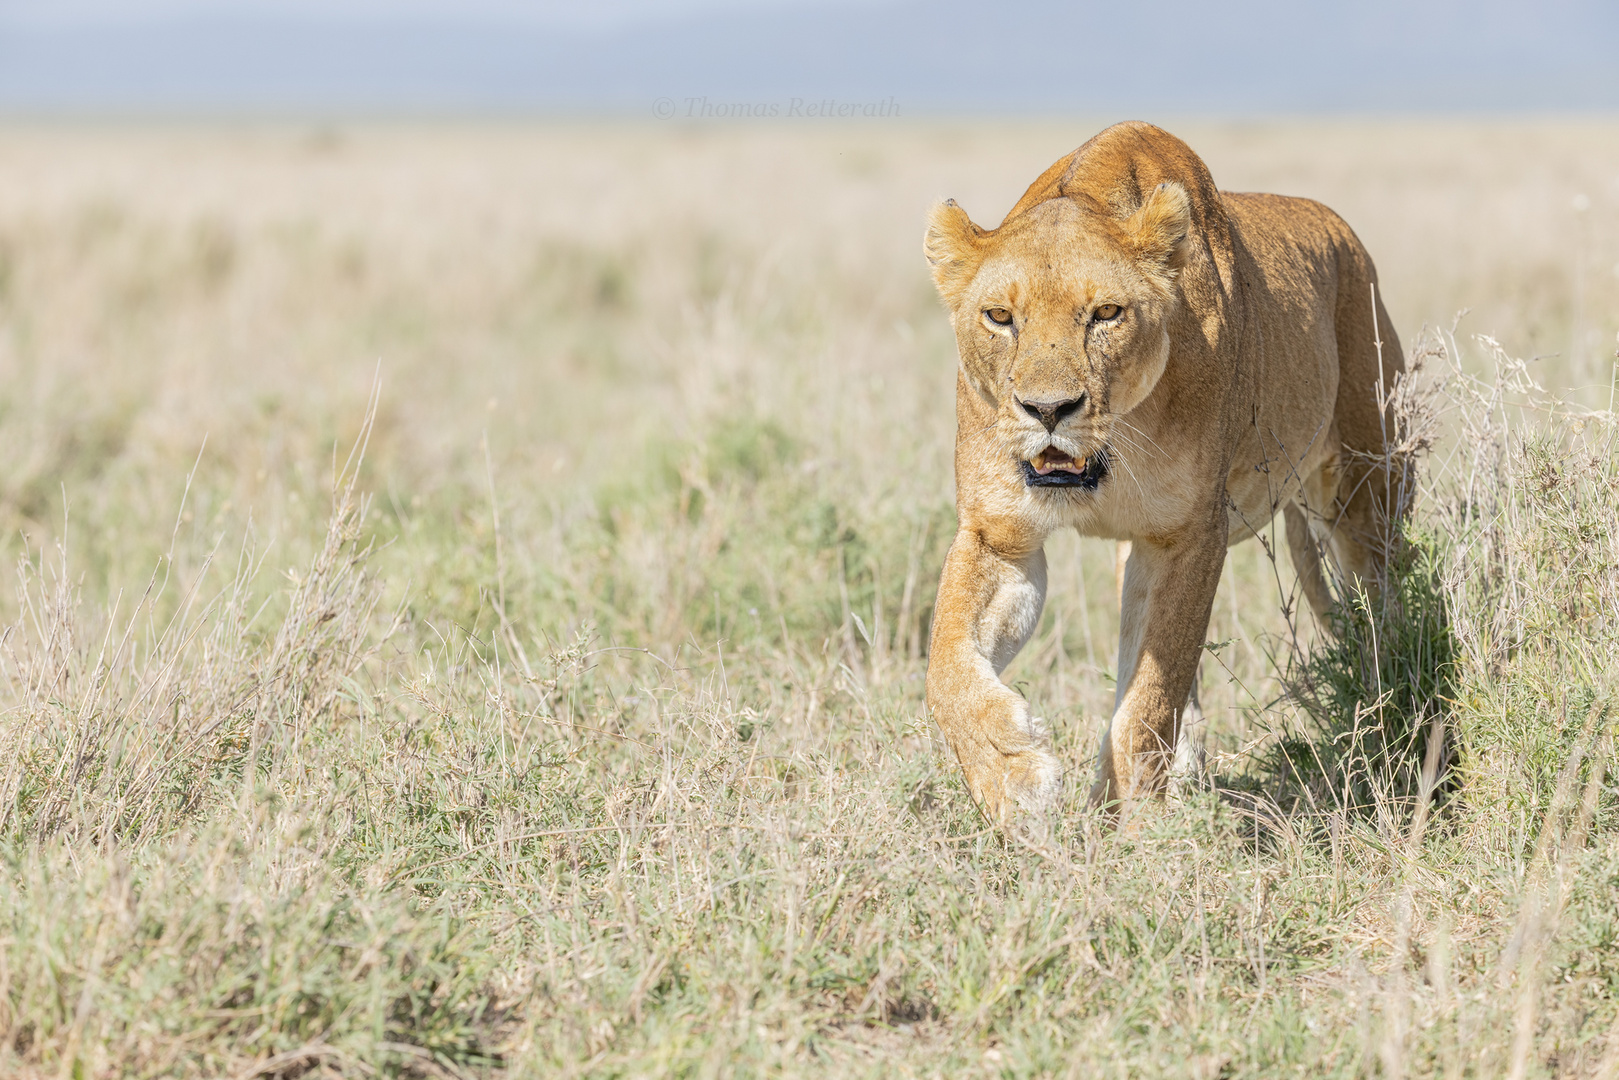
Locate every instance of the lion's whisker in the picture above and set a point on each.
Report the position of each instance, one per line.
(1143, 434)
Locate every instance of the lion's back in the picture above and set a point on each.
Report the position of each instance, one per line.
(1310, 288)
(1296, 240)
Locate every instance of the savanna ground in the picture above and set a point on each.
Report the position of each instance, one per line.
(566, 718)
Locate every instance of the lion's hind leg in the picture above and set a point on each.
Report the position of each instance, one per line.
(1373, 479)
(1343, 526)
(1307, 561)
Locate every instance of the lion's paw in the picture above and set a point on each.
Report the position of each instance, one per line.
(1023, 785)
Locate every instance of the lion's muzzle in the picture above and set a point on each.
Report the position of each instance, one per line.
(1053, 468)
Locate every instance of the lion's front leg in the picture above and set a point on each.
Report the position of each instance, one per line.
(1164, 617)
(988, 605)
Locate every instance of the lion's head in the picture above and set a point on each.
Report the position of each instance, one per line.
(1062, 318)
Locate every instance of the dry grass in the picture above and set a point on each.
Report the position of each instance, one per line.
(575, 726)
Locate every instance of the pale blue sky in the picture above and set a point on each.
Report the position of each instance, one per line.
(600, 13)
(1242, 57)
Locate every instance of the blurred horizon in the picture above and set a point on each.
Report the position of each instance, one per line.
(663, 58)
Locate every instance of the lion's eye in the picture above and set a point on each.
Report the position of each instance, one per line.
(999, 316)
(1106, 312)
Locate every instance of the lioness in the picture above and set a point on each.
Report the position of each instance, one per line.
(1146, 358)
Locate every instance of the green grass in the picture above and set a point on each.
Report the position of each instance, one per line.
(332, 833)
(1375, 693)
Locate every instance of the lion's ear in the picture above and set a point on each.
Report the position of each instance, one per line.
(954, 247)
(1160, 228)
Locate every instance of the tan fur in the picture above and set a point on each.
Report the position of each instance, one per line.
(1241, 377)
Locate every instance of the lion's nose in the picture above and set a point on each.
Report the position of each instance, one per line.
(1052, 413)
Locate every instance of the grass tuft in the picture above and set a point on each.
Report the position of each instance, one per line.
(1374, 692)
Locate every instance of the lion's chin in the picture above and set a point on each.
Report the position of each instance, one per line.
(1053, 468)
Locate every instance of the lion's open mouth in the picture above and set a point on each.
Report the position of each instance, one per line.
(1053, 468)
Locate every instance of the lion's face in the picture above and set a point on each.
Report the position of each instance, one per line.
(1062, 322)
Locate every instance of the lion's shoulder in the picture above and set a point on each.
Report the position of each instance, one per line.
(1115, 169)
